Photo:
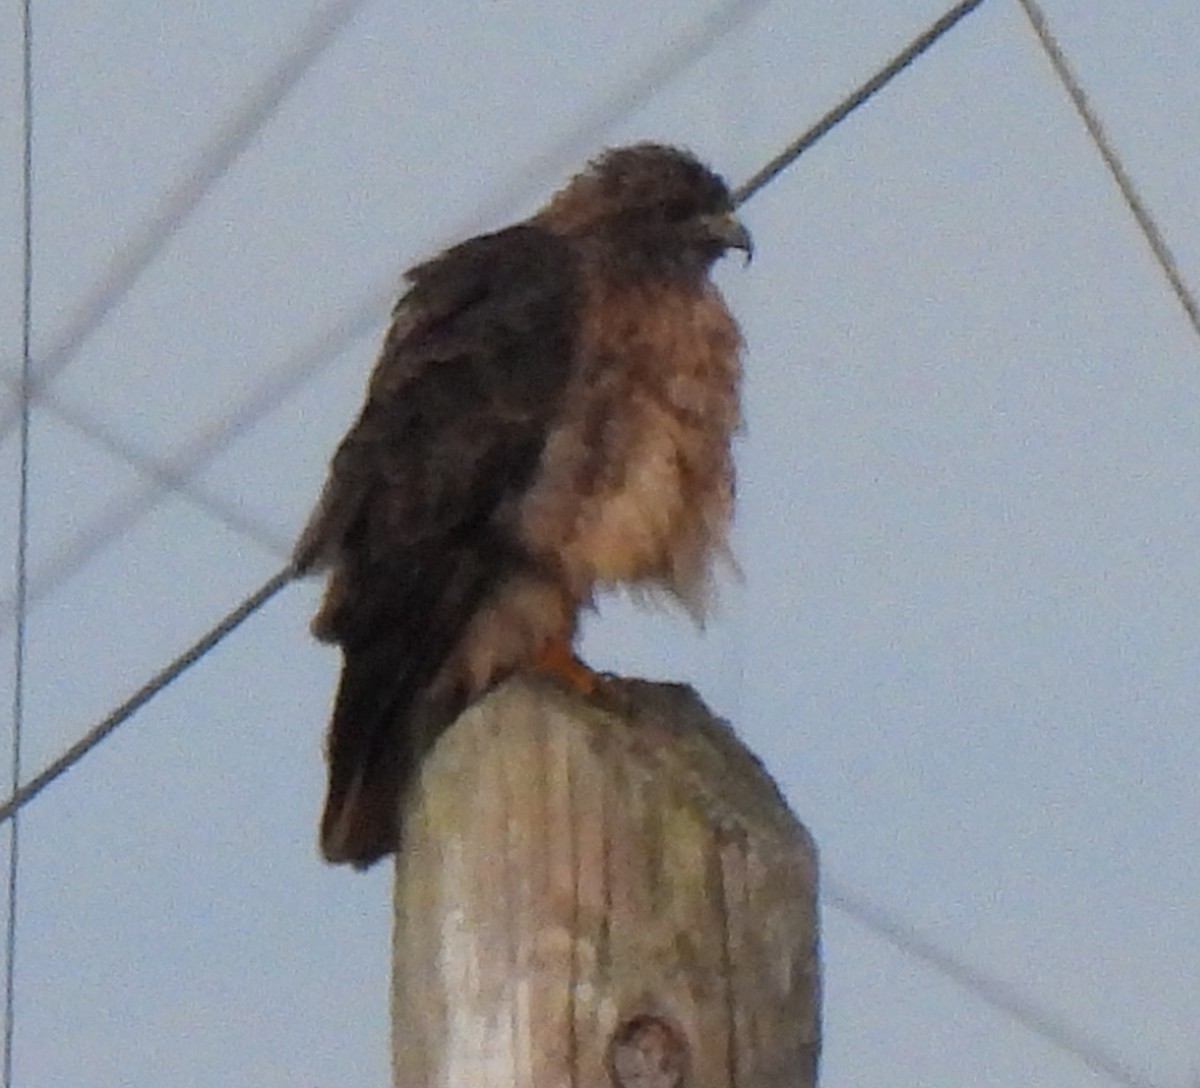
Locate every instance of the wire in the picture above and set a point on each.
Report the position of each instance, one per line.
(116, 518)
(18, 702)
(853, 100)
(998, 994)
(145, 693)
(162, 472)
(662, 69)
(176, 475)
(1137, 206)
(231, 139)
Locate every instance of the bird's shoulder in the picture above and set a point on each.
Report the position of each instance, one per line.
(483, 293)
(471, 373)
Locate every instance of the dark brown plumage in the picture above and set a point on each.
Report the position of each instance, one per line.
(551, 413)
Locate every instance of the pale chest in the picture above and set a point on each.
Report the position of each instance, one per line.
(636, 480)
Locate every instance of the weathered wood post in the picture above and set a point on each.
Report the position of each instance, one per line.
(602, 892)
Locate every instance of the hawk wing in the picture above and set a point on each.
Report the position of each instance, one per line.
(416, 520)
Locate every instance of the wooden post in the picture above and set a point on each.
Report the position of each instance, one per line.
(598, 893)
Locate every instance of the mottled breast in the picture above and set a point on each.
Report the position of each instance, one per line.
(636, 482)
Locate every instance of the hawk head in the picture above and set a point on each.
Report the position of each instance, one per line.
(655, 203)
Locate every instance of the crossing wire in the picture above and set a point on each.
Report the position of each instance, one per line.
(1141, 213)
(196, 182)
(145, 693)
(995, 992)
(851, 102)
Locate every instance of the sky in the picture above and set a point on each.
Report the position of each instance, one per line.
(966, 641)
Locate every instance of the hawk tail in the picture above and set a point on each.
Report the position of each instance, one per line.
(360, 822)
(392, 705)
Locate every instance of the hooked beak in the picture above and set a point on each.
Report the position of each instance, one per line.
(730, 232)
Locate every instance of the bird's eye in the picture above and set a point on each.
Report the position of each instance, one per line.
(677, 211)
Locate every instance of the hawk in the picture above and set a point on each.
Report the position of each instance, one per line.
(551, 414)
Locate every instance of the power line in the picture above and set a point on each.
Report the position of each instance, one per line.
(1149, 228)
(163, 473)
(176, 474)
(18, 701)
(182, 466)
(231, 139)
(565, 152)
(1000, 995)
(144, 694)
(851, 102)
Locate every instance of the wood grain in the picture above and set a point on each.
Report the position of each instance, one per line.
(597, 892)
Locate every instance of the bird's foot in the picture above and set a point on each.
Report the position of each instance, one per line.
(558, 658)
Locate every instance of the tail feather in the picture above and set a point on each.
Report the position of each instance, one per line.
(393, 701)
(367, 759)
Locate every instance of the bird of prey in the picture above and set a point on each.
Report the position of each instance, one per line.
(550, 415)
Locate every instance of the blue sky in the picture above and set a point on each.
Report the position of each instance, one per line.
(967, 638)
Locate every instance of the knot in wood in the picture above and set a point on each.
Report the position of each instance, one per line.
(647, 1052)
